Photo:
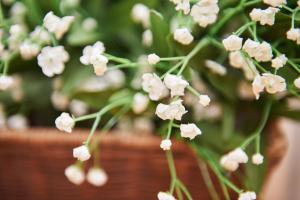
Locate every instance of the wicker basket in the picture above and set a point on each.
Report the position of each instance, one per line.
(32, 166)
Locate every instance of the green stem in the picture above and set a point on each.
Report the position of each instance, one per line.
(202, 43)
(193, 90)
(117, 59)
(172, 170)
(103, 111)
(172, 58)
(184, 190)
(293, 17)
(171, 69)
(170, 129)
(86, 117)
(125, 65)
(262, 124)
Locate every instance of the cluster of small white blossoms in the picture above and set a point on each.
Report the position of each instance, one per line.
(234, 158)
(264, 17)
(262, 52)
(175, 86)
(96, 176)
(93, 55)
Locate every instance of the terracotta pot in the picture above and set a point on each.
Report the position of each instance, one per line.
(32, 166)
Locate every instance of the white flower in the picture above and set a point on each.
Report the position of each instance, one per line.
(275, 3)
(93, 55)
(250, 47)
(174, 110)
(40, 35)
(82, 153)
(65, 122)
(52, 60)
(257, 86)
(17, 122)
(89, 24)
(205, 12)
(154, 86)
(58, 26)
(297, 82)
(78, 107)
(189, 131)
(245, 90)
(247, 196)
(96, 176)
(229, 164)
(266, 16)
(176, 84)
(215, 67)
(237, 60)
(165, 196)
(257, 159)
(141, 14)
(153, 59)
(264, 52)
(204, 100)
(29, 50)
(233, 43)
(238, 155)
(59, 100)
(298, 3)
(18, 10)
(183, 36)
(74, 174)
(6, 82)
(294, 35)
(279, 61)
(140, 103)
(184, 6)
(273, 83)
(166, 144)
(147, 38)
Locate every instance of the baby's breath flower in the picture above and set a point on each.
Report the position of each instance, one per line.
(93, 55)
(257, 86)
(298, 3)
(78, 107)
(257, 159)
(227, 163)
(89, 24)
(6, 82)
(96, 176)
(153, 59)
(58, 26)
(215, 67)
(74, 174)
(273, 83)
(237, 60)
(141, 14)
(165, 196)
(82, 153)
(233, 43)
(247, 196)
(59, 100)
(265, 17)
(245, 90)
(184, 6)
(250, 47)
(174, 110)
(279, 61)
(275, 3)
(205, 12)
(297, 82)
(40, 35)
(183, 36)
(189, 131)
(176, 84)
(166, 144)
(147, 38)
(238, 155)
(29, 50)
(154, 86)
(140, 103)
(204, 100)
(65, 122)
(262, 52)
(17, 122)
(52, 60)
(294, 35)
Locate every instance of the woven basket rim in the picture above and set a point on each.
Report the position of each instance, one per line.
(48, 136)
